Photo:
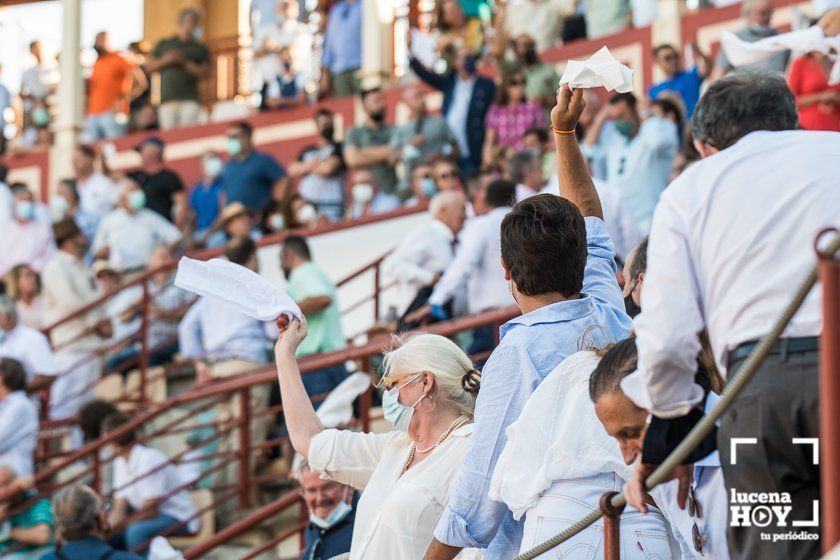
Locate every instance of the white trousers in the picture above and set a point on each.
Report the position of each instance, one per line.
(643, 537)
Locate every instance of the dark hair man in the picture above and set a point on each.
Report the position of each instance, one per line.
(559, 263)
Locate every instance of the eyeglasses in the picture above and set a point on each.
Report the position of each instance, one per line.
(448, 175)
(696, 514)
(388, 382)
(516, 83)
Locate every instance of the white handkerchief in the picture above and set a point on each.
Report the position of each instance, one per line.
(740, 52)
(237, 286)
(600, 69)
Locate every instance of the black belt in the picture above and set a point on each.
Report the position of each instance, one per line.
(783, 347)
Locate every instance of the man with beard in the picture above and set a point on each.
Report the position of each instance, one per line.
(369, 145)
(540, 78)
(320, 167)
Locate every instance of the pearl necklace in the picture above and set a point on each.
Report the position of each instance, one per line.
(460, 421)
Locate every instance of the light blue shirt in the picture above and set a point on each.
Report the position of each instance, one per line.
(531, 346)
(215, 332)
(456, 117)
(639, 167)
(5, 100)
(343, 37)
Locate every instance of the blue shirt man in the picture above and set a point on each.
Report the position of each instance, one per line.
(249, 176)
(569, 295)
(684, 83)
(343, 37)
(205, 200)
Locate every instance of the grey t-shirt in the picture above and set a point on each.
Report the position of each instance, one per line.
(438, 137)
(776, 63)
(364, 136)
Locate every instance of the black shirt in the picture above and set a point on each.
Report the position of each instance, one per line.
(159, 189)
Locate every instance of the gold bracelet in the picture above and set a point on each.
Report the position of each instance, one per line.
(558, 131)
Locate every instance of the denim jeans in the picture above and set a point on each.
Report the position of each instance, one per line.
(103, 126)
(643, 537)
(140, 532)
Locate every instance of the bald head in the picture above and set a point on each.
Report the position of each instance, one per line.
(448, 207)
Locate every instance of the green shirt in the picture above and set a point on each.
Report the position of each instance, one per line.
(37, 514)
(176, 84)
(541, 79)
(605, 17)
(364, 136)
(325, 334)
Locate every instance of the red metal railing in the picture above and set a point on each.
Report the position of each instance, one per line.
(830, 398)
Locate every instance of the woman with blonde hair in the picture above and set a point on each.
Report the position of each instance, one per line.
(406, 475)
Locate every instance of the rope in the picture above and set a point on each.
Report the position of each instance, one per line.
(732, 389)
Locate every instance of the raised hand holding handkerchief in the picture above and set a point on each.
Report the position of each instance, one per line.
(599, 70)
(237, 286)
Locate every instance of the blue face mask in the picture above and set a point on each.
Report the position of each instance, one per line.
(137, 200)
(59, 207)
(429, 187)
(24, 210)
(399, 415)
(341, 511)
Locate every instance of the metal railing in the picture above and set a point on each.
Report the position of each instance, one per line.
(613, 503)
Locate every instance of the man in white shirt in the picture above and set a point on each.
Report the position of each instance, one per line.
(25, 240)
(18, 420)
(67, 287)
(525, 169)
(422, 257)
(128, 234)
(142, 486)
(477, 265)
(37, 80)
(638, 155)
(731, 238)
(97, 193)
(26, 345)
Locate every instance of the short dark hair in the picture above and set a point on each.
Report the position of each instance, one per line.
(670, 106)
(539, 131)
(297, 245)
(245, 127)
(87, 150)
(323, 112)
(500, 192)
(618, 362)
(240, 249)
(365, 92)
(91, 415)
(18, 187)
(639, 264)
(71, 185)
(743, 102)
(544, 246)
(115, 421)
(12, 374)
(659, 48)
(627, 97)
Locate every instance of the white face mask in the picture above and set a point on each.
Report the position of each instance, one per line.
(212, 167)
(362, 192)
(59, 207)
(338, 513)
(307, 214)
(276, 222)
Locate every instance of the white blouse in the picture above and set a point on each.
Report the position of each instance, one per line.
(396, 515)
